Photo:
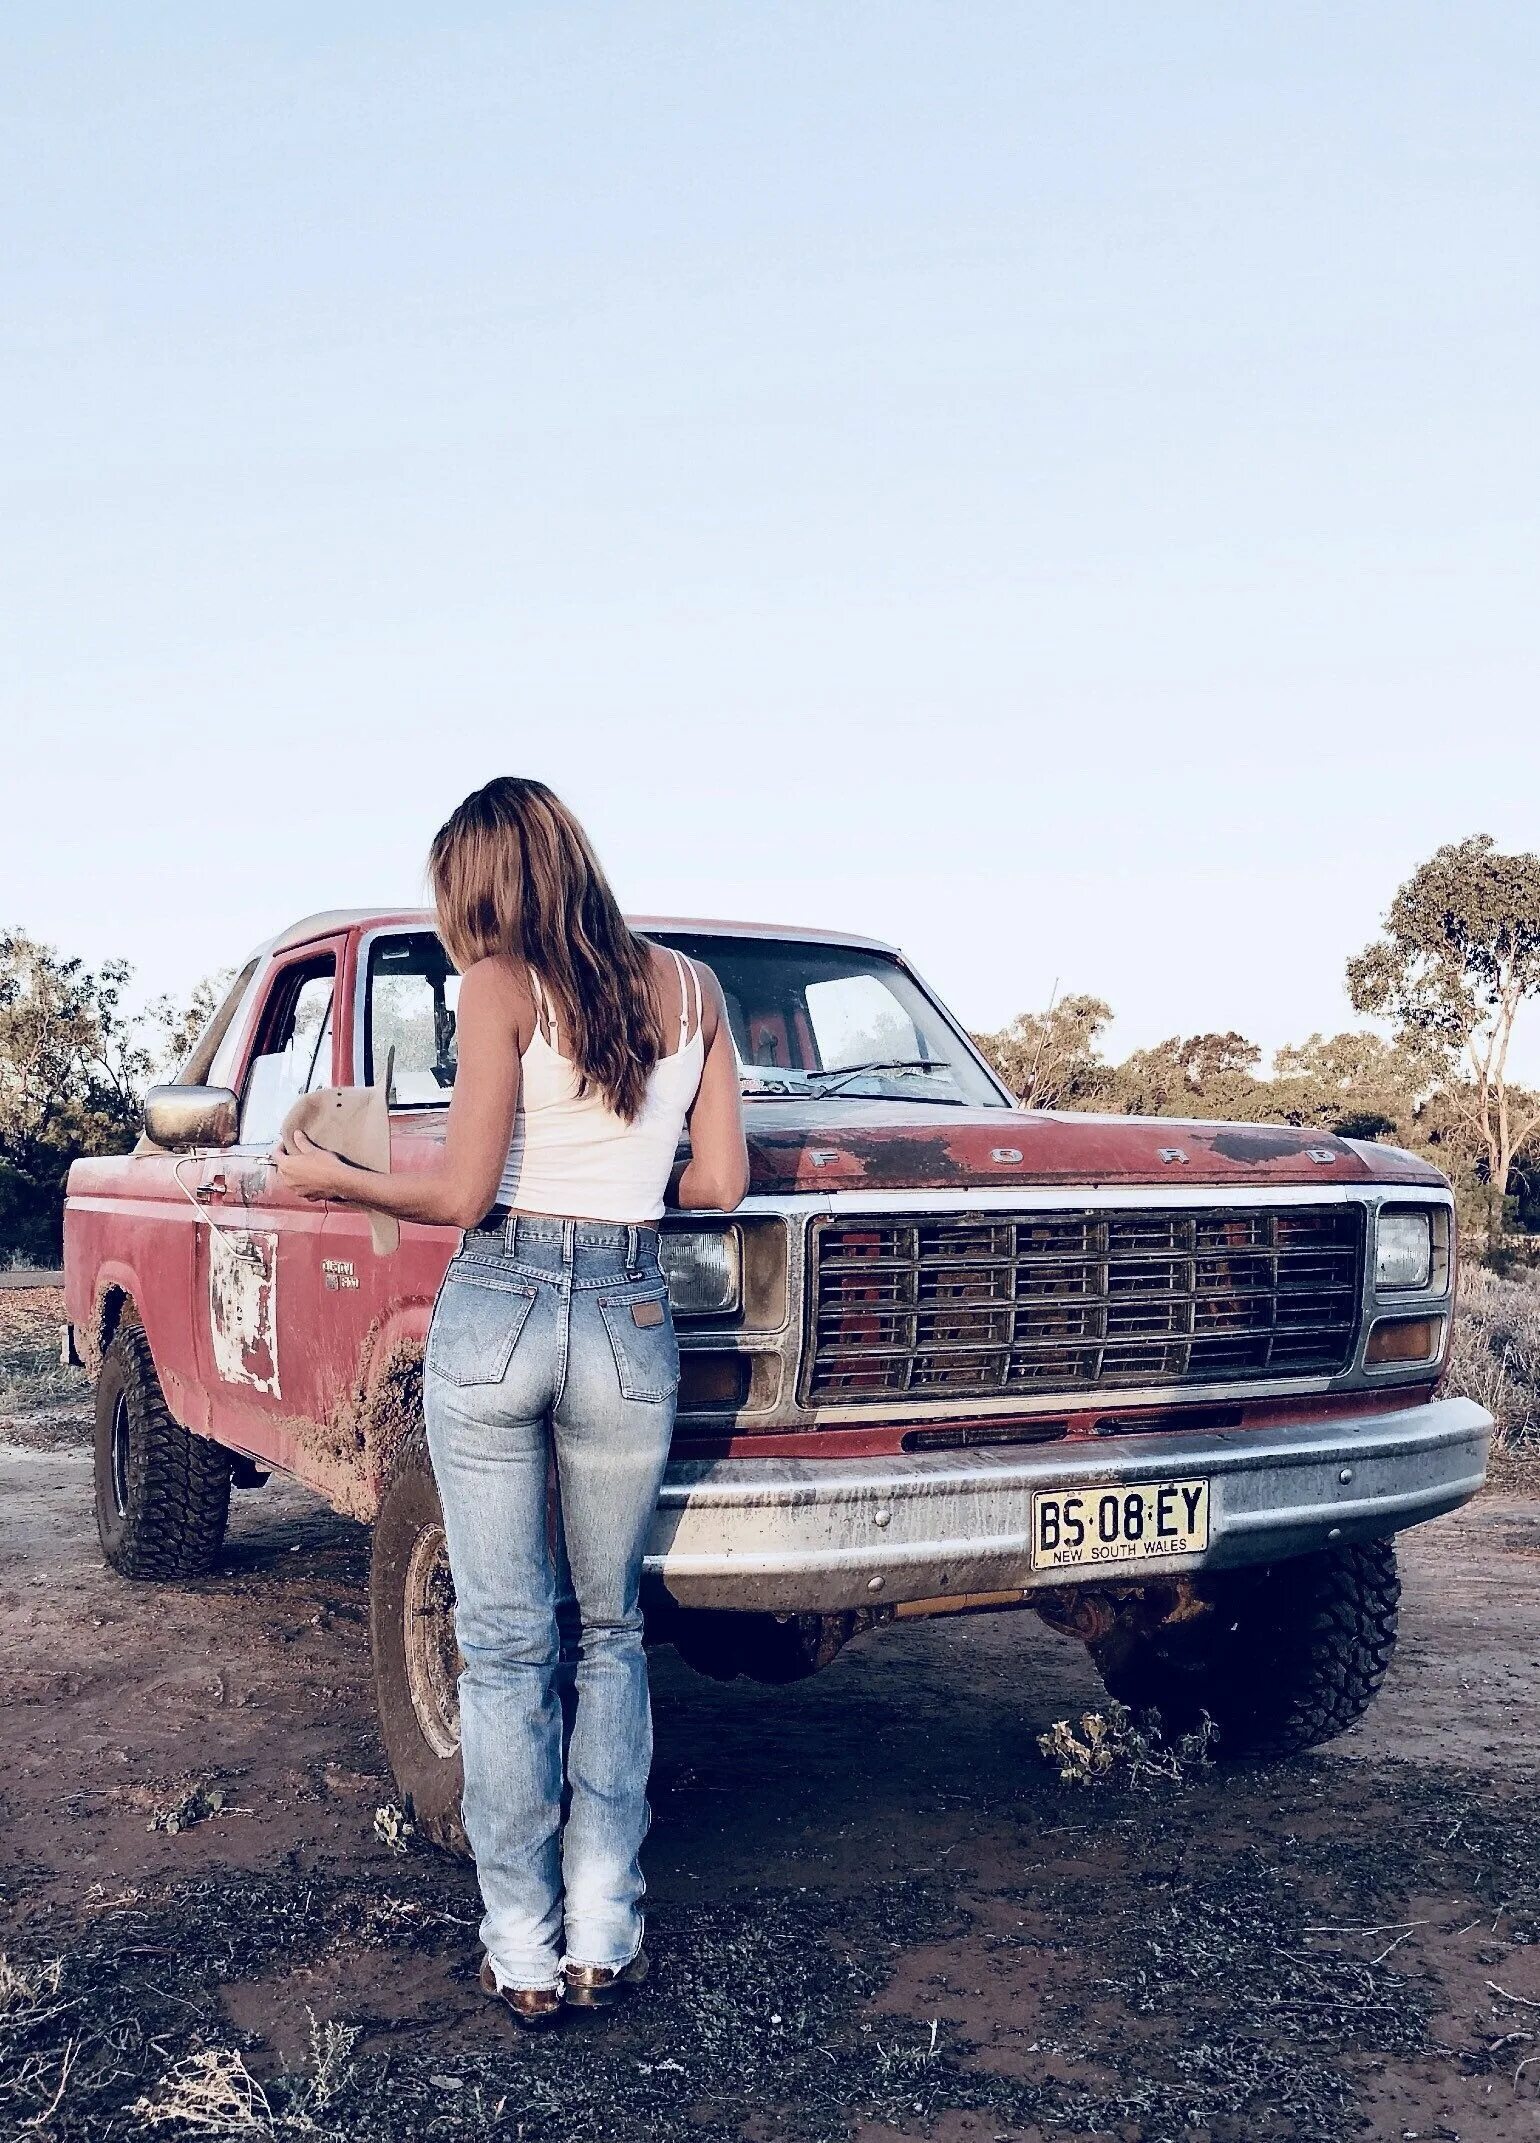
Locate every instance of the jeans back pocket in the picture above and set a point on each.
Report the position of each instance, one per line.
(643, 1341)
(476, 1325)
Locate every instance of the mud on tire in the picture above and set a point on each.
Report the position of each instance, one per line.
(162, 1495)
(416, 1660)
(1288, 1655)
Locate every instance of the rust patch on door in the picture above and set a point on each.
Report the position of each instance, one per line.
(243, 1295)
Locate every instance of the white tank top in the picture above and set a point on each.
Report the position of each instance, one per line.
(572, 1156)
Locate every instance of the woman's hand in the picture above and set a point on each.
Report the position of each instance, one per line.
(309, 1169)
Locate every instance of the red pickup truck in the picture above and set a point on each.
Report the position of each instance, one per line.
(1173, 1385)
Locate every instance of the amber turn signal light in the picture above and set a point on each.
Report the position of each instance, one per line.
(1404, 1339)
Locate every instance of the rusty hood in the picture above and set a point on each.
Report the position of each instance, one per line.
(874, 1145)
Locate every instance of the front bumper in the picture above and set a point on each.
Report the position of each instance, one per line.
(813, 1536)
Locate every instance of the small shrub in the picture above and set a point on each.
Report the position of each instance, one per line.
(394, 1827)
(1116, 1748)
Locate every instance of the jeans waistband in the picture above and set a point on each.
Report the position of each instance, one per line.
(511, 1229)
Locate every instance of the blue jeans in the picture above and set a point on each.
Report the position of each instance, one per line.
(552, 1362)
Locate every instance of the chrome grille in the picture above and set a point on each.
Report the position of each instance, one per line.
(988, 1304)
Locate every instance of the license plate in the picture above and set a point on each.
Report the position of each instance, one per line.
(1137, 1523)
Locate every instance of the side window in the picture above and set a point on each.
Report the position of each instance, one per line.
(409, 1019)
(294, 1049)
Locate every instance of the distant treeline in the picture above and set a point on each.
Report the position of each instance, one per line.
(1457, 961)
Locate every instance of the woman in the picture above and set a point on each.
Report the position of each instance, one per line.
(583, 1051)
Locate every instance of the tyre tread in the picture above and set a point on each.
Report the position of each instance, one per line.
(1302, 1650)
(179, 1484)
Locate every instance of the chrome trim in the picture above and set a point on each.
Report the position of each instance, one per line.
(1072, 1197)
(788, 1415)
(192, 1119)
(820, 1535)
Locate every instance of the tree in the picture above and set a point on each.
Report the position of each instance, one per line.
(1458, 959)
(71, 1071)
(1358, 1085)
(1205, 1075)
(178, 1027)
(74, 1064)
(1050, 1060)
(1207, 1057)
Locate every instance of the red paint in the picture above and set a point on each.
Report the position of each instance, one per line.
(883, 1438)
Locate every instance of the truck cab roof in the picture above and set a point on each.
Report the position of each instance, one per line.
(328, 921)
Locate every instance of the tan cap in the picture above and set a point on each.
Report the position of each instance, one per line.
(353, 1122)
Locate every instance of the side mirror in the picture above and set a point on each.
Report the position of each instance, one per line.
(182, 1118)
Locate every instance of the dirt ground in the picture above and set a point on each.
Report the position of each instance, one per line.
(874, 1909)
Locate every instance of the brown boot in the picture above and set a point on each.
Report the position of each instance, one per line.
(602, 1986)
(536, 2008)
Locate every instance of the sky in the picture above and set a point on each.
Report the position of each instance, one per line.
(1053, 487)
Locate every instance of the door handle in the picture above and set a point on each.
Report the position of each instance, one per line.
(211, 1187)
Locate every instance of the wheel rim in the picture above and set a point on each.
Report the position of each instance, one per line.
(120, 1456)
(432, 1655)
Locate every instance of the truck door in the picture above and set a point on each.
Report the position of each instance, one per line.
(257, 1276)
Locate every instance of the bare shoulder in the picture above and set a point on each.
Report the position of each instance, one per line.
(495, 992)
(665, 975)
(712, 1007)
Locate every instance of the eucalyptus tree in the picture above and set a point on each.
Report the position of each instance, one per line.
(1457, 961)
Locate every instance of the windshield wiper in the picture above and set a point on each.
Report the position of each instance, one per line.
(844, 1073)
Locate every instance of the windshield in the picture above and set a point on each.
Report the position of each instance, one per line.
(836, 1022)
(826, 1021)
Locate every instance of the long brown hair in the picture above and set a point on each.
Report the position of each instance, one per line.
(512, 872)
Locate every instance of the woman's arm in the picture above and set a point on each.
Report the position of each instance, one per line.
(490, 1021)
(717, 1173)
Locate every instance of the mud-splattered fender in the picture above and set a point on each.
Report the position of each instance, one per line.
(117, 1284)
(382, 1409)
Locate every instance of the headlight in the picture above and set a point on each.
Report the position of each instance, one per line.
(1403, 1249)
(702, 1268)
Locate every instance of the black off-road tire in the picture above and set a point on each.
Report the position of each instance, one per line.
(162, 1495)
(1289, 1654)
(411, 1637)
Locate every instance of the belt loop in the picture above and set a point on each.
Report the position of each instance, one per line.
(632, 1236)
(569, 1242)
(510, 1234)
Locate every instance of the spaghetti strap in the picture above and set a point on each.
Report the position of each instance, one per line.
(544, 1008)
(684, 997)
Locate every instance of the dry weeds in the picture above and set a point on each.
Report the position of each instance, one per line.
(213, 2093)
(1112, 1747)
(1495, 1357)
(31, 1373)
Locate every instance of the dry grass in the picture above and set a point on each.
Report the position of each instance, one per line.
(28, 1987)
(31, 1374)
(213, 2093)
(1495, 1358)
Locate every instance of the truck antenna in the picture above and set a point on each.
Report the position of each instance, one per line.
(1042, 1042)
